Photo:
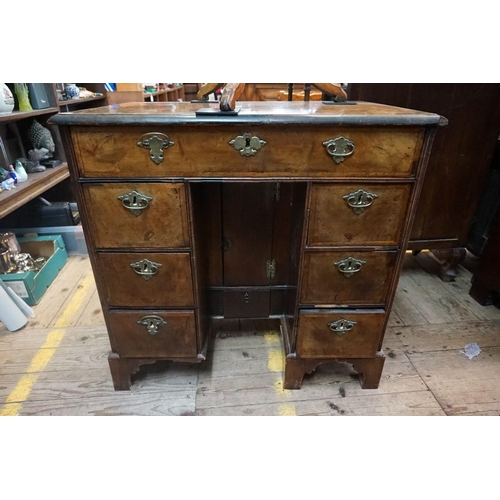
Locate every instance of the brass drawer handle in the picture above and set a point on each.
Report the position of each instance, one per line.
(135, 202)
(156, 143)
(152, 323)
(360, 200)
(247, 144)
(146, 268)
(349, 266)
(341, 326)
(339, 148)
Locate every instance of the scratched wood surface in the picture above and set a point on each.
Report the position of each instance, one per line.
(425, 372)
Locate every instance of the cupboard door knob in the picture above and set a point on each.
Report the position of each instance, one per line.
(156, 142)
(145, 268)
(135, 202)
(152, 323)
(339, 148)
(360, 200)
(341, 326)
(349, 266)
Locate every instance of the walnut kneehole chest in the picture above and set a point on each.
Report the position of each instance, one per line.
(296, 211)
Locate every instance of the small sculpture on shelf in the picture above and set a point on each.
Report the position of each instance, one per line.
(23, 98)
(33, 163)
(41, 137)
(22, 176)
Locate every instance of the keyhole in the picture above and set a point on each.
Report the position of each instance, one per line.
(134, 200)
(247, 297)
(247, 142)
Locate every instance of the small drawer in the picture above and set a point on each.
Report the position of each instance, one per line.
(346, 278)
(357, 214)
(155, 334)
(340, 333)
(146, 279)
(239, 150)
(130, 215)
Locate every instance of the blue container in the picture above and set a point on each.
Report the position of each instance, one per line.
(31, 286)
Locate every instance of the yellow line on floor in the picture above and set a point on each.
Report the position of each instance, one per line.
(42, 357)
(275, 364)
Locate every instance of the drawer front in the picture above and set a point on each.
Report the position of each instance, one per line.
(147, 279)
(340, 334)
(154, 334)
(286, 151)
(347, 278)
(357, 214)
(131, 215)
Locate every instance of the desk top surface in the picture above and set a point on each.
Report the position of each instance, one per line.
(252, 113)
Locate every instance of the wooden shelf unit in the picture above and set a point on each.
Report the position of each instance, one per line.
(133, 92)
(14, 142)
(37, 183)
(166, 95)
(21, 115)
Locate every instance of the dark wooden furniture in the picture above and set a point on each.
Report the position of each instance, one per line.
(299, 211)
(461, 158)
(486, 278)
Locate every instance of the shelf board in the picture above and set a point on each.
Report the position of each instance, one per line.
(83, 100)
(19, 115)
(37, 183)
(163, 91)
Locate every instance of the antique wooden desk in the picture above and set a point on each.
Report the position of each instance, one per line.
(293, 210)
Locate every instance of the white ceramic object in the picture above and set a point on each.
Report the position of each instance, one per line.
(6, 100)
(22, 176)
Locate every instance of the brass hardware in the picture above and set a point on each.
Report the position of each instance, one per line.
(271, 269)
(341, 326)
(339, 148)
(156, 143)
(359, 200)
(247, 144)
(135, 202)
(152, 323)
(146, 268)
(349, 266)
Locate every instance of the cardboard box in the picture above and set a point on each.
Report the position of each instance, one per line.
(31, 286)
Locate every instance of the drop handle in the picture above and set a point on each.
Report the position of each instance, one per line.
(339, 148)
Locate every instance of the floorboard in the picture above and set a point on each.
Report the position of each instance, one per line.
(425, 372)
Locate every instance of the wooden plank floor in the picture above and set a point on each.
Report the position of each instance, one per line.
(57, 365)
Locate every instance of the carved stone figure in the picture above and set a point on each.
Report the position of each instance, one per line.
(41, 137)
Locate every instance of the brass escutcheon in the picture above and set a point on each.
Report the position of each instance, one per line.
(360, 200)
(349, 266)
(156, 142)
(146, 268)
(339, 148)
(152, 323)
(135, 202)
(247, 144)
(341, 326)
